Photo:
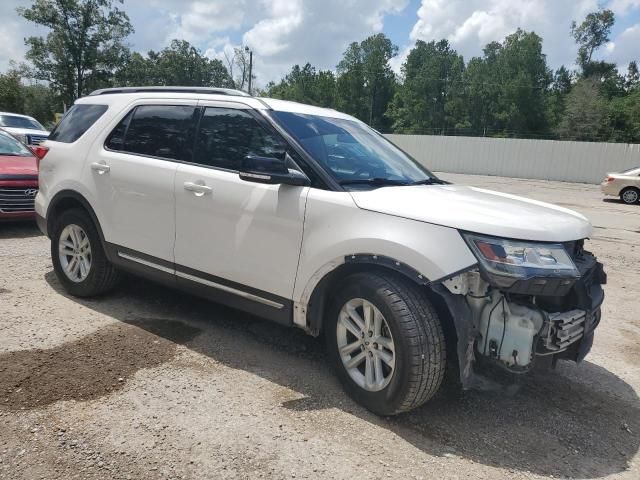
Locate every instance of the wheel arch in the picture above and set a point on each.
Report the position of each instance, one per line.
(68, 199)
(310, 314)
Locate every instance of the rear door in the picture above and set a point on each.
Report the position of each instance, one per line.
(239, 238)
(133, 175)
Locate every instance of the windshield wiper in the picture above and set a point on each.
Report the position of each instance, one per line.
(430, 181)
(377, 181)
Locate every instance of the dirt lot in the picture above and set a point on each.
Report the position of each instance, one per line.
(150, 383)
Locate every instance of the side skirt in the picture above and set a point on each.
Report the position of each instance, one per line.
(235, 295)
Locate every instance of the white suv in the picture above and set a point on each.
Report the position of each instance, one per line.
(309, 218)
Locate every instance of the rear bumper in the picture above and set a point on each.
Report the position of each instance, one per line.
(609, 188)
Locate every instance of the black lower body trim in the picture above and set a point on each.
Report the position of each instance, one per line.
(220, 290)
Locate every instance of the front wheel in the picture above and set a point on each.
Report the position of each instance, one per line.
(79, 260)
(385, 342)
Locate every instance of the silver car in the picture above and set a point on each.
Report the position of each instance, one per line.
(625, 185)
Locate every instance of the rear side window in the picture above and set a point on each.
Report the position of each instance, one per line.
(226, 136)
(156, 130)
(76, 121)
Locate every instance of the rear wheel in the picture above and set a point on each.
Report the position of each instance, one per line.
(385, 342)
(78, 257)
(630, 195)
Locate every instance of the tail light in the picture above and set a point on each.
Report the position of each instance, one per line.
(40, 152)
(610, 179)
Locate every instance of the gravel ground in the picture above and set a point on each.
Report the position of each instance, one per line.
(150, 383)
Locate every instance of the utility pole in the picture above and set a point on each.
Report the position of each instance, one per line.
(246, 49)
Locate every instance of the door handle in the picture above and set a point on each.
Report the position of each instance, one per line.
(100, 167)
(198, 188)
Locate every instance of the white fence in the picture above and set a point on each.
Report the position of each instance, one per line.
(520, 158)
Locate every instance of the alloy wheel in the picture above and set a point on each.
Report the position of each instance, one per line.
(75, 253)
(365, 344)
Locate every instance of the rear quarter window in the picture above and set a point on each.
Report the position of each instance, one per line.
(76, 122)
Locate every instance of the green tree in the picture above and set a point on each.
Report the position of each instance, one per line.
(136, 70)
(586, 113)
(591, 34)
(11, 92)
(40, 102)
(431, 94)
(366, 83)
(83, 47)
(506, 89)
(557, 95)
(183, 64)
(307, 85)
(632, 80)
(482, 90)
(624, 117)
(522, 73)
(178, 64)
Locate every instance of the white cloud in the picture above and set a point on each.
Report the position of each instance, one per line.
(470, 24)
(284, 32)
(280, 32)
(625, 48)
(620, 7)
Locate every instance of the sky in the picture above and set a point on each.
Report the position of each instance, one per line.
(285, 32)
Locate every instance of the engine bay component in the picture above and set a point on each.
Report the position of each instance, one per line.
(508, 332)
(563, 329)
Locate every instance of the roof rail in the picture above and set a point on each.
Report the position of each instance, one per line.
(163, 89)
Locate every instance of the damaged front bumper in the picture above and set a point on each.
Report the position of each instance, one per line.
(513, 327)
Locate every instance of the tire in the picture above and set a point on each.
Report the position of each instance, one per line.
(630, 195)
(419, 351)
(99, 276)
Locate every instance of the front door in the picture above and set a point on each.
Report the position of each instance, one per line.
(239, 239)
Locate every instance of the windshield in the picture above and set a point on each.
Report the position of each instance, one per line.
(11, 146)
(354, 154)
(13, 121)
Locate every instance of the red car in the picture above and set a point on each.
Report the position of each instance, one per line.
(18, 179)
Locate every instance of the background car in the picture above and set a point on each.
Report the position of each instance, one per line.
(625, 185)
(26, 129)
(18, 179)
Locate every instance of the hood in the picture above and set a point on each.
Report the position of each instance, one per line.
(25, 131)
(478, 210)
(10, 165)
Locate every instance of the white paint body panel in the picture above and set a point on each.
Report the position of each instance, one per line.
(478, 210)
(335, 227)
(245, 232)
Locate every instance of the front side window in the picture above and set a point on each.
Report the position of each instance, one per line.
(156, 130)
(228, 135)
(355, 155)
(76, 122)
(13, 121)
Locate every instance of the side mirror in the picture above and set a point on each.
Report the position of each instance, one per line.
(272, 171)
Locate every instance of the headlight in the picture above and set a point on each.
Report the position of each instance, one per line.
(520, 260)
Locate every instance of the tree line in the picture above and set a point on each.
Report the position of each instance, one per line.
(509, 91)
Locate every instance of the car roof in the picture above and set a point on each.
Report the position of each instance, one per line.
(126, 95)
(17, 115)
